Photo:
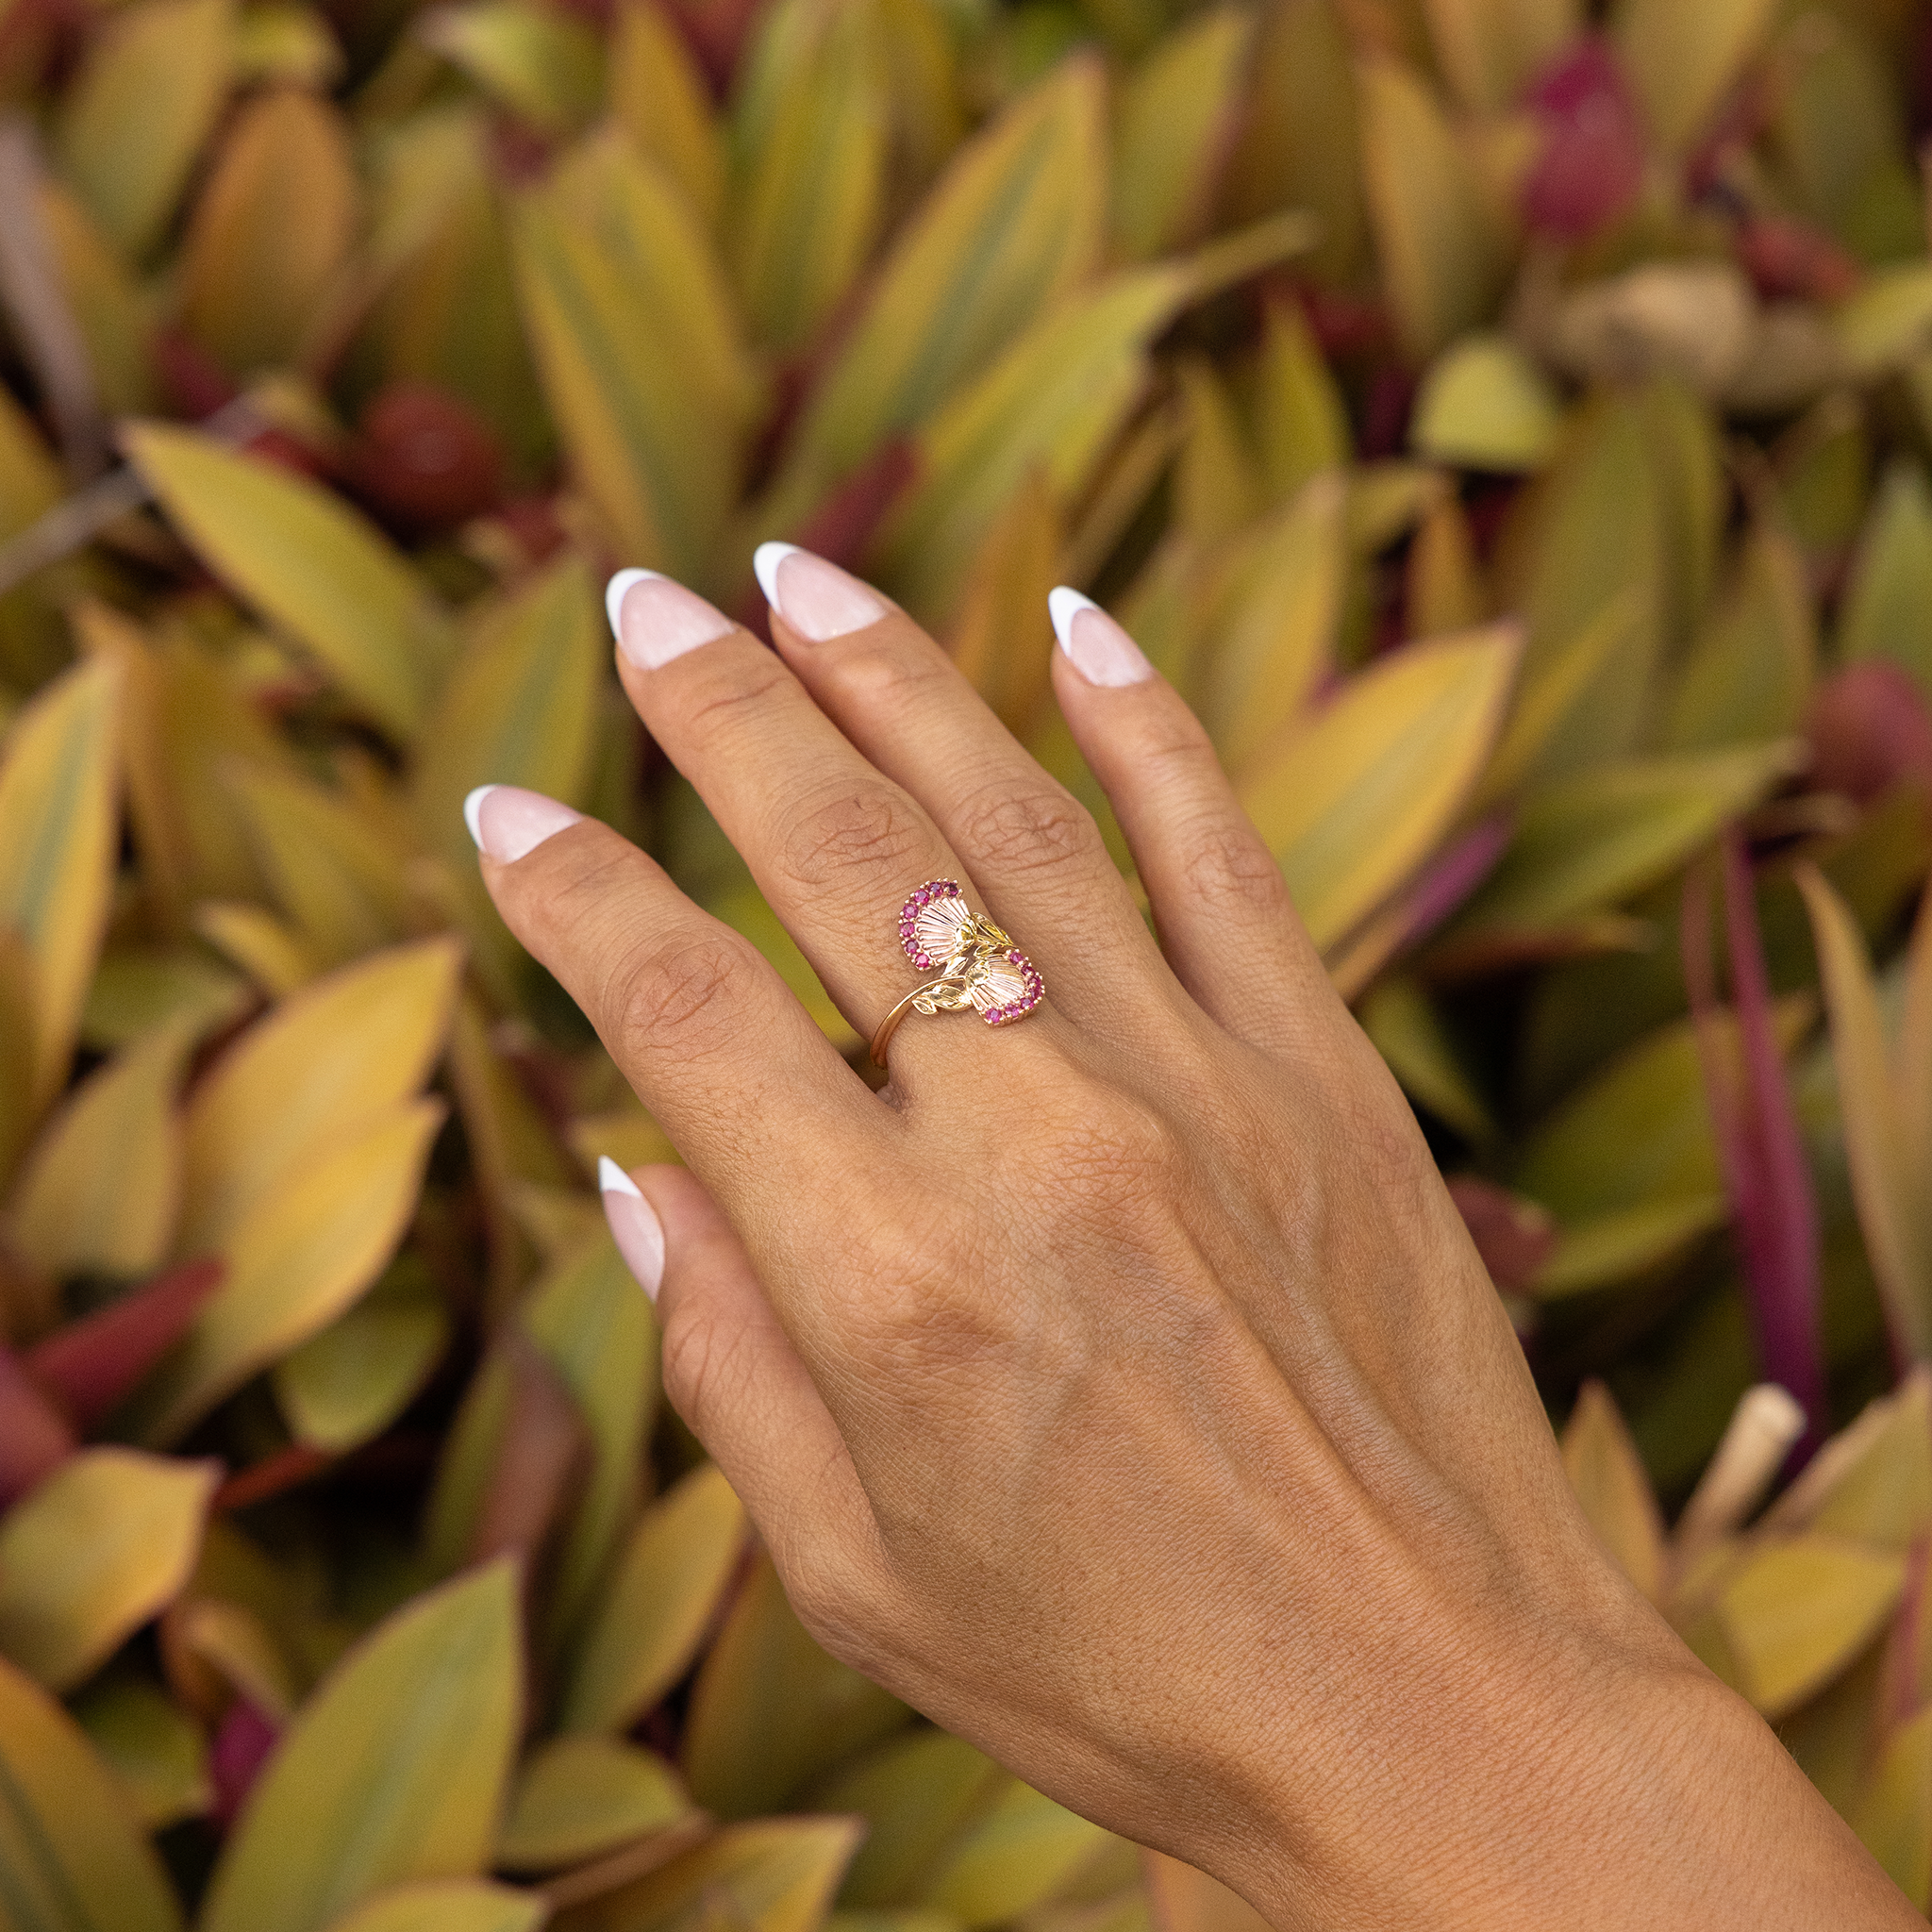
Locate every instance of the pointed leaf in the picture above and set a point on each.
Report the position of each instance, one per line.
(103, 1546)
(153, 1747)
(394, 1770)
(1011, 1860)
(74, 1860)
(917, 1795)
(576, 1797)
(1484, 406)
(1357, 798)
(1680, 60)
(1491, 49)
(660, 98)
(1892, 581)
(1894, 1816)
(57, 784)
(1750, 670)
(1300, 422)
(309, 563)
(452, 1904)
(658, 1604)
(543, 64)
(1609, 1479)
(348, 1383)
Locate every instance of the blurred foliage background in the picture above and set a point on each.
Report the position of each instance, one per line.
(1507, 422)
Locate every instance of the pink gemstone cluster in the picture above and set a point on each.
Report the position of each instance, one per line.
(1017, 1008)
(911, 936)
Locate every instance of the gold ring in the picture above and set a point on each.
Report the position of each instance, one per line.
(977, 965)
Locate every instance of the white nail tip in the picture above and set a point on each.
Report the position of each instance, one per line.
(611, 1179)
(1063, 604)
(618, 589)
(473, 807)
(765, 562)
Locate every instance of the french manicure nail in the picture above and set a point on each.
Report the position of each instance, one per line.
(507, 821)
(635, 1229)
(817, 599)
(1095, 645)
(655, 619)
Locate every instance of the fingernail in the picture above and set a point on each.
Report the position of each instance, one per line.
(655, 619)
(507, 821)
(816, 598)
(637, 1231)
(1095, 645)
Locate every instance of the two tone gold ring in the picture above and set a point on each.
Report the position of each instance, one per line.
(974, 964)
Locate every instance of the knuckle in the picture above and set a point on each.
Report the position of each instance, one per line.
(1230, 869)
(865, 829)
(675, 995)
(1012, 830)
(720, 699)
(704, 1371)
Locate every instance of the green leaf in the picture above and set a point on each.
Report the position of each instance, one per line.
(777, 1875)
(310, 564)
(1490, 50)
(1407, 1031)
(642, 356)
(1748, 676)
(660, 97)
(151, 1745)
(347, 1384)
(659, 1602)
(456, 1905)
(1608, 1477)
(1884, 610)
(1359, 795)
(917, 1795)
(1442, 251)
(1619, 1246)
(1484, 406)
(94, 1552)
(1012, 227)
(1300, 422)
(58, 790)
(576, 1797)
(1894, 1816)
(1013, 1860)
(394, 1770)
(139, 110)
(545, 65)
(1680, 60)
(100, 1190)
(771, 1711)
(72, 1856)
(808, 195)
(1173, 118)
(1886, 321)
(1596, 839)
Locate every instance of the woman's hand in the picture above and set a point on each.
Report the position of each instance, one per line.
(1120, 1387)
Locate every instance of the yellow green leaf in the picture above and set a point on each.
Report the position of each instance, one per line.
(808, 193)
(1799, 1609)
(1407, 1031)
(1442, 251)
(1011, 1860)
(58, 780)
(1052, 402)
(771, 1711)
(776, 1874)
(311, 566)
(917, 1795)
(1593, 840)
(277, 43)
(299, 1256)
(576, 1797)
(662, 102)
(1893, 1815)
(348, 1383)
(154, 1748)
(137, 115)
(544, 64)
(452, 1904)
(1217, 487)
(100, 1190)
(1891, 1190)
(1300, 422)
(1491, 49)
(660, 1600)
(342, 1053)
(641, 357)
(1611, 1482)
(1301, 145)
(1272, 619)
(1604, 1249)
(1355, 799)
(271, 230)
(1013, 226)
(1002, 639)
(1891, 579)
(1680, 60)
(1486, 406)
(268, 950)
(336, 875)
(74, 1855)
(1748, 676)
(1875, 1479)
(520, 706)
(1173, 118)
(92, 1553)
(108, 305)
(394, 1770)
(1886, 321)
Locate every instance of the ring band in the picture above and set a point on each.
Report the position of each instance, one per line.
(976, 964)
